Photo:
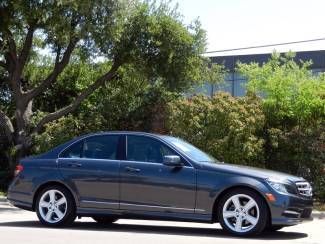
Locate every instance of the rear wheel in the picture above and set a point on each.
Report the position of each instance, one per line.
(242, 212)
(55, 206)
(105, 220)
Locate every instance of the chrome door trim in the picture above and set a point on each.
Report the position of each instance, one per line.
(161, 207)
(99, 202)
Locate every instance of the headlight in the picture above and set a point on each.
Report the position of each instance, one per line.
(277, 186)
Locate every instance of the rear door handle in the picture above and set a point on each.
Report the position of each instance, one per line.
(130, 169)
(74, 165)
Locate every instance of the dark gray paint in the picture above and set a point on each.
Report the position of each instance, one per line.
(148, 190)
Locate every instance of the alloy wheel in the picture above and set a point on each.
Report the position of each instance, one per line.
(52, 206)
(241, 213)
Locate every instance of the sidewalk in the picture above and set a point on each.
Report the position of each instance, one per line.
(318, 214)
(5, 206)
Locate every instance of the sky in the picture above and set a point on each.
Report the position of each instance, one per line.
(240, 23)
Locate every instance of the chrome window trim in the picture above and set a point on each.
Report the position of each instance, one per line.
(151, 163)
(126, 134)
(93, 159)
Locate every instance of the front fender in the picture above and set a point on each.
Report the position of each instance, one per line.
(212, 184)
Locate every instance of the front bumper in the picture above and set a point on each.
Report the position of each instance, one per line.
(291, 210)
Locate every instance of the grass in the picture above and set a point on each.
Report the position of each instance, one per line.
(2, 193)
(319, 206)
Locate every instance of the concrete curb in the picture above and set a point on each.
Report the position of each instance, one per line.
(3, 199)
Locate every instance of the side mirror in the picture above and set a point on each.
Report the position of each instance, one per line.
(172, 161)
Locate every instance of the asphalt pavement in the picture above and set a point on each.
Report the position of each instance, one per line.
(19, 226)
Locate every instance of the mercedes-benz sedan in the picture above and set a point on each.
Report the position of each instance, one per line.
(113, 175)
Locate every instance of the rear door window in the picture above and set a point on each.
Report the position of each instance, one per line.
(101, 147)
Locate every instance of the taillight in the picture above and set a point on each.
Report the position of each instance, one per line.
(19, 168)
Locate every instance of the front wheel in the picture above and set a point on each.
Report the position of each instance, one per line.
(274, 228)
(55, 206)
(243, 212)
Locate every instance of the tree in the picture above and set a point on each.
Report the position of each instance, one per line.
(292, 94)
(294, 108)
(149, 37)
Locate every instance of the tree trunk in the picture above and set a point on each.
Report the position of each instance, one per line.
(22, 137)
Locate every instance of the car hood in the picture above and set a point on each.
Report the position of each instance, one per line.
(252, 172)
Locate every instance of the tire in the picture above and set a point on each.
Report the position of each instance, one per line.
(55, 206)
(274, 228)
(104, 220)
(242, 212)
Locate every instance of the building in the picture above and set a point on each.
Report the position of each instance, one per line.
(235, 83)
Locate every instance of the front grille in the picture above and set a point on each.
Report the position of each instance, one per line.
(304, 189)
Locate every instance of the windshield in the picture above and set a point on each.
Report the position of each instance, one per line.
(190, 150)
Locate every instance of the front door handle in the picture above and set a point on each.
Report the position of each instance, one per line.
(74, 165)
(130, 169)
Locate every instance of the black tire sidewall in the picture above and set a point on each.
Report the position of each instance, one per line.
(71, 209)
(104, 220)
(263, 212)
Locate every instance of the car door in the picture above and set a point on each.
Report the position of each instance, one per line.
(149, 185)
(91, 167)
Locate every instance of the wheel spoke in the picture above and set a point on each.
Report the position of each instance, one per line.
(61, 201)
(59, 213)
(229, 214)
(44, 204)
(235, 200)
(251, 219)
(238, 224)
(52, 196)
(249, 205)
(48, 216)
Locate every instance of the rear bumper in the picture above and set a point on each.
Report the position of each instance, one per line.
(291, 210)
(19, 204)
(19, 198)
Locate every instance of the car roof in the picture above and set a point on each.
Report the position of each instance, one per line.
(121, 133)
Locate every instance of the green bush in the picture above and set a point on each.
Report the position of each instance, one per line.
(294, 109)
(228, 128)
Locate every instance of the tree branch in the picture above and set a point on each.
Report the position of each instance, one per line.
(83, 95)
(26, 47)
(11, 61)
(11, 44)
(58, 68)
(7, 125)
(3, 64)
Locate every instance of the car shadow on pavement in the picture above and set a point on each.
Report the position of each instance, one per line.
(168, 230)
